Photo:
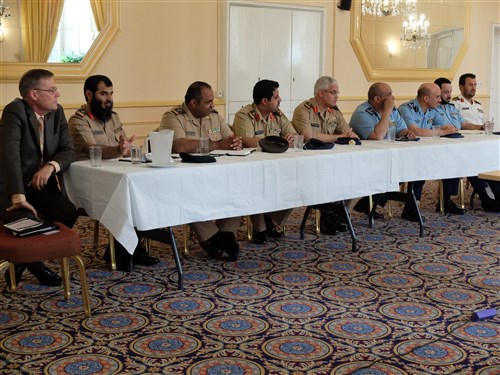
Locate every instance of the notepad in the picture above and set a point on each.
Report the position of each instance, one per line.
(243, 152)
(28, 227)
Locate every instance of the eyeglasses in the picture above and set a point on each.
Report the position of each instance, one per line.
(51, 90)
(332, 92)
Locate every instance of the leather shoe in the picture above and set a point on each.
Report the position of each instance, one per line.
(410, 215)
(450, 208)
(44, 275)
(212, 251)
(19, 269)
(221, 242)
(259, 238)
(123, 258)
(490, 205)
(142, 258)
(272, 229)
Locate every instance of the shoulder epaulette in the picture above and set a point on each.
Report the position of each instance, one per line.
(178, 111)
(475, 101)
(455, 98)
(370, 110)
(81, 112)
(278, 113)
(308, 105)
(214, 111)
(252, 114)
(336, 108)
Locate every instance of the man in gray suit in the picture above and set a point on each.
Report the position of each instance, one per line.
(35, 146)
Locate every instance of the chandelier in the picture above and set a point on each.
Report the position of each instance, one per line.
(382, 8)
(4, 13)
(415, 33)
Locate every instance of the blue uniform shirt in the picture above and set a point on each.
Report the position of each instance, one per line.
(451, 115)
(412, 114)
(365, 117)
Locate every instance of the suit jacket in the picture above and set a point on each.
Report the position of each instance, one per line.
(20, 156)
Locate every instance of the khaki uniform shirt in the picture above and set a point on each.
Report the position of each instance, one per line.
(88, 130)
(472, 113)
(185, 125)
(249, 122)
(307, 115)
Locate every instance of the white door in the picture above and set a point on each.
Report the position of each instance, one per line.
(272, 42)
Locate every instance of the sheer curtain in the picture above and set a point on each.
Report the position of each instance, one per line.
(39, 23)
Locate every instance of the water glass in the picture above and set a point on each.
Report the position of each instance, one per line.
(298, 142)
(488, 127)
(204, 146)
(136, 154)
(436, 131)
(391, 132)
(95, 153)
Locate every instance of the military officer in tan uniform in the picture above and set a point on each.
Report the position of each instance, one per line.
(320, 115)
(95, 123)
(197, 116)
(320, 118)
(253, 122)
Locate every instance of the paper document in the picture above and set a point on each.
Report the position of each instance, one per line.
(243, 152)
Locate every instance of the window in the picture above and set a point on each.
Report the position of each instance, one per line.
(76, 32)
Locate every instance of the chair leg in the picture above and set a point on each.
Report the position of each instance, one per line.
(249, 228)
(185, 237)
(65, 277)
(96, 234)
(389, 210)
(83, 284)
(13, 282)
(317, 217)
(441, 196)
(112, 255)
(461, 193)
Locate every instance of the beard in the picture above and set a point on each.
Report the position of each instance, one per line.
(103, 114)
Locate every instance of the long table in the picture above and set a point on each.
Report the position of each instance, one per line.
(123, 196)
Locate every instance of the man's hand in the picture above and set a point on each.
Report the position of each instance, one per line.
(448, 129)
(349, 133)
(23, 205)
(389, 104)
(126, 144)
(230, 143)
(41, 177)
(407, 133)
(289, 139)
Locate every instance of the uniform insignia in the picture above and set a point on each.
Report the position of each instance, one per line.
(213, 130)
(97, 132)
(258, 132)
(178, 111)
(308, 105)
(314, 125)
(190, 133)
(278, 113)
(329, 110)
(252, 114)
(480, 110)
(370, 110)
(455, 99)
(465, 108)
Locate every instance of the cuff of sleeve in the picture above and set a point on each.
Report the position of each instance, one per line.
(18, 198)
(56, 165)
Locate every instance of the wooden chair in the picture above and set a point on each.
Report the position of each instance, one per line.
(64, 244)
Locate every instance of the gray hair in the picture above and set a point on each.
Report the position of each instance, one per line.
(322, 83)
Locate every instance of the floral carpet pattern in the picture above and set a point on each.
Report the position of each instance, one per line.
(400, 305)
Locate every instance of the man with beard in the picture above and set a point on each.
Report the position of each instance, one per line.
(490, 201)
(470, 109)
(95, 123)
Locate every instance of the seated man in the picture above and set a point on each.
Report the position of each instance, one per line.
(470, 109)
(420, 114)
(320, 118)
(453, 116)
(35, 146)
(254, 122)
(194, 118)
(370, 120)
(95, 123)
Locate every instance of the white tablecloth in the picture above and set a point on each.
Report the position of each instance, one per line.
(123, 196)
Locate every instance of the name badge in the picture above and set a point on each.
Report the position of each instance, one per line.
(190, 133)
(214, 130)
(314, 125)
(258, 132)
(465, 108)
(97, 132)
(480, 110)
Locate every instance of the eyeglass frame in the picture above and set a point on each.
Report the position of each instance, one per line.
(53, 90)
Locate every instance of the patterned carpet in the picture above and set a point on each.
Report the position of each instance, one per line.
(401, 305)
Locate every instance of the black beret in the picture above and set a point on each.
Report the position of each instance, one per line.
(348, 141)
(273, 144)
(188, 158)
(453, 135)
(316, 144)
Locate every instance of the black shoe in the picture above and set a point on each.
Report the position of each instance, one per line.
(44, 275)
(363, 207)
(19, 269)
(123, 258)
(327, 224)
(212, 251)
(142, 258)
(227, 242)
(259, 238)
(411, 215)
(490, 205)
(450, 208)
(272, 229)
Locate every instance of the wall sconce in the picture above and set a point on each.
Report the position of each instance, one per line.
(391, 48)
(4, 13)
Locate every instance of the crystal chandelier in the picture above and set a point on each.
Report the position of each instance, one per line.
(415, 33)
(4, 13)
(382, 8)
